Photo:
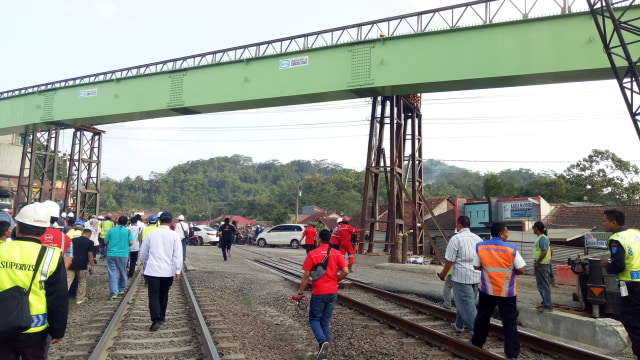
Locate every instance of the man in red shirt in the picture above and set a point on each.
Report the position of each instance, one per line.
(341, 239)
(309, 238)
(53, 237)
(325, 290)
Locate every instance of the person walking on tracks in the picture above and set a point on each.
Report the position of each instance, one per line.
(499, 262)
(82, 254)
(624, 247)
(459, 256)
(30, 265)
(325, 290)
(161, 256)
(226, 231)
(182, 229)
(542, 266)
(118, 240)
(341, 239)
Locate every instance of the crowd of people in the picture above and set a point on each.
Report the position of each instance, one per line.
(44, 251)
(482, 274)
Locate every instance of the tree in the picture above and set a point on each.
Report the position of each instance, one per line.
(551, 189)
(603, 177)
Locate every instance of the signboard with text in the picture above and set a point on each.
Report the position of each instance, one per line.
(517, 210)
(596, 240)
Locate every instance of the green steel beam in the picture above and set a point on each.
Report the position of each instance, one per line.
(564, 48)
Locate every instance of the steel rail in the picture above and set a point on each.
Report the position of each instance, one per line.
(460, 348)
(208, 348)
(479, 12)
(100, 351)
(531, 341)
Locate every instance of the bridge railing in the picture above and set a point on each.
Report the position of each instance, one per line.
(463, 15)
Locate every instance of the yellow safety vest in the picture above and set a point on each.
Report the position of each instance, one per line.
(74, 233)
(630, 241)
(537, 251)
(17, 264)
(104, 226)
(146, 230)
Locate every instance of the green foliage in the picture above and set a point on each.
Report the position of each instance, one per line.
(236, 185)
(603, 177)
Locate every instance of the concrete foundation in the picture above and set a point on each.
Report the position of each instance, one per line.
(601, 333)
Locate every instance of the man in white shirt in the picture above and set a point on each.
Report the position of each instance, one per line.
(161, 256)
(460, 252)
(182, 229)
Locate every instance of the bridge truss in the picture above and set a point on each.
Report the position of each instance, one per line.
(620, 35)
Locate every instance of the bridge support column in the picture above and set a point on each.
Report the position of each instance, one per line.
(38, 167)
(403, 178)
(83, 179)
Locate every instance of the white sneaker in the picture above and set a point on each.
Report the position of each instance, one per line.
(81, 301)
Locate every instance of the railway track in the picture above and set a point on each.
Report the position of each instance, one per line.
(185, 335)
(428, 322)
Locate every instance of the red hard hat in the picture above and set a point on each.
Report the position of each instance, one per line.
(109, 215)
(346, 218)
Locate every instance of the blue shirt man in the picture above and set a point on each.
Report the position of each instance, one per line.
(118, 240)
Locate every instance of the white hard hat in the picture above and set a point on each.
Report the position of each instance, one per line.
(100, 217)
(53, 208)
(36, 214)
(181, 217)
(63, 215)
(70, 215)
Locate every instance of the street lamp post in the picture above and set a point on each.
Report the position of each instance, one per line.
(297, 199)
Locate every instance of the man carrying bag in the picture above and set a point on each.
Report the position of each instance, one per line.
(324, 264)
(45, 276)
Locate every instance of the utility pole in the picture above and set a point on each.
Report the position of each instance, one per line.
(297, 199)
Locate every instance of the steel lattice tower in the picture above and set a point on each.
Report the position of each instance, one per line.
(83, 180)
(620, 35)
(401, 117)
(38, 167)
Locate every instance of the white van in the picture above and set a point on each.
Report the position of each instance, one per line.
(285, 234)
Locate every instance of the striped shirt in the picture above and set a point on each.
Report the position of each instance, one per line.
(460, 251)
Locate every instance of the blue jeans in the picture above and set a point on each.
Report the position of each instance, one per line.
(465, 298)
(184, 248)
(117, 269)
(542, 279)
(320, 310)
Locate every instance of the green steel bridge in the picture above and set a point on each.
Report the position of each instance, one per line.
(457, 48)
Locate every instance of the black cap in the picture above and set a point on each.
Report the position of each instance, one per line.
(166, 216)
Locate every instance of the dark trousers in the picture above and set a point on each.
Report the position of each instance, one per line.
(308, 247)
(508, 314)
(225, 245)
(133, 259)
(34, 351)
(630, 315)
(95, 252)
(158, 289)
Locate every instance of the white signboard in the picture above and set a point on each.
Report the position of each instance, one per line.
(517, 210)
(294, 62)
(88, 93)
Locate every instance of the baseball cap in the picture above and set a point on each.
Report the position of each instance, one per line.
(181, 217)
(36, 214)
(166, 215)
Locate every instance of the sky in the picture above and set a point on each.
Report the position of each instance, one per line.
(543, 128)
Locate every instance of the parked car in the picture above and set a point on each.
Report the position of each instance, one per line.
(285, 234)
(205, 234)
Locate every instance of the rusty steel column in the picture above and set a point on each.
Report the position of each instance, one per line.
(38, 167)
(403, 171)
(82, 194)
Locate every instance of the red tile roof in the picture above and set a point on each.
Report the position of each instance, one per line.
(242, 221)
(590, 217)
